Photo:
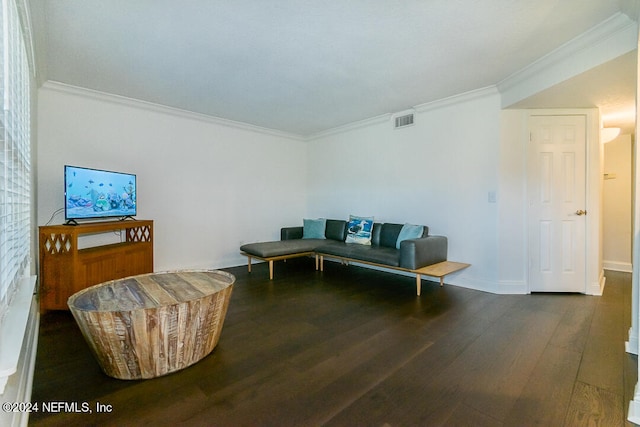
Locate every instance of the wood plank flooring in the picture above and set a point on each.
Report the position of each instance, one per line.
(356, 347)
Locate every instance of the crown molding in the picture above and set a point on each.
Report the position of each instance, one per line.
(163, 109)
(457, 99)
(350, 126)
(420, 108)
(608, 40)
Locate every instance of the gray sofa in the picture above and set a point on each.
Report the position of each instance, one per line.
(413, 255)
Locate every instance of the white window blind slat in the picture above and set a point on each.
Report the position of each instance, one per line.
(15, 156)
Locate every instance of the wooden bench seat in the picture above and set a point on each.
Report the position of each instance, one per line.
(439, 270)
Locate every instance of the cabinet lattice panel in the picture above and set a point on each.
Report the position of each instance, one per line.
(139, 234)
(55, 244)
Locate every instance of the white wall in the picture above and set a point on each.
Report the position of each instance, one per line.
(438, 172)
(208, 186)
(512, 239)
(617, 206)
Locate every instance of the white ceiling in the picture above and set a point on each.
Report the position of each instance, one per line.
(304, 66)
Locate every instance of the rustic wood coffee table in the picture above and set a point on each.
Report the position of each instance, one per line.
(153, 324)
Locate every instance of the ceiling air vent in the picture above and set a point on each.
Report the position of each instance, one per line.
(403, 119)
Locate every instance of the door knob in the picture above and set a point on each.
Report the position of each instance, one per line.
(580, 212)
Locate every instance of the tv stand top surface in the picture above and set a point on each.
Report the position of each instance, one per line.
(73, 222)
(95, 227)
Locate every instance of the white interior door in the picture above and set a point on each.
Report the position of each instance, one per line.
(557, 203)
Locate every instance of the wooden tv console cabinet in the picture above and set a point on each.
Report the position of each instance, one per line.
(66, 269)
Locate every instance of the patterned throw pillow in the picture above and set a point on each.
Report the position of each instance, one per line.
(359, 230)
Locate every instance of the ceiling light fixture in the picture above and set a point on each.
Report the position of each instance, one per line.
(608, 134)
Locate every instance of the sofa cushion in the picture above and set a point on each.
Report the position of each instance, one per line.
(375, 234)
(409, 231)
(359, 230)
(281, 247)
(336, 229)
(389, 234)
(290, 233)
(313, 228)
(375, 254)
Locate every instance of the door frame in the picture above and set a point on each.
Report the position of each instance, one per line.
(594, 169)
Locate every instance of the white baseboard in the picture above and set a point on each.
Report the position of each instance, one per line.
(512, 287)
(634, 408)
(597, 287)
(625, 267)
(631, 346)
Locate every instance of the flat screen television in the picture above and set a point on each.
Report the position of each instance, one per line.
(93, 193)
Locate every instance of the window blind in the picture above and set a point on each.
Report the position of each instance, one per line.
(15, 156)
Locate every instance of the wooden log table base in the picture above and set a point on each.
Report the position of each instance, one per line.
(153, 324)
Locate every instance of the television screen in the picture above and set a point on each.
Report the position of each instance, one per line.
(93, 193)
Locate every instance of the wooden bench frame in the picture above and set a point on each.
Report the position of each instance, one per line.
(439, 270)
(270, 260)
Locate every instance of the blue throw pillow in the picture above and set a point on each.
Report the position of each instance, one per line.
(409, 231)
(359, 230)
(313, 228)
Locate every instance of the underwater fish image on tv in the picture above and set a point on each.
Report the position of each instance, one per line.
(95, 193)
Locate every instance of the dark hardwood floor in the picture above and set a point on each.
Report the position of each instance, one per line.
(356, 347)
